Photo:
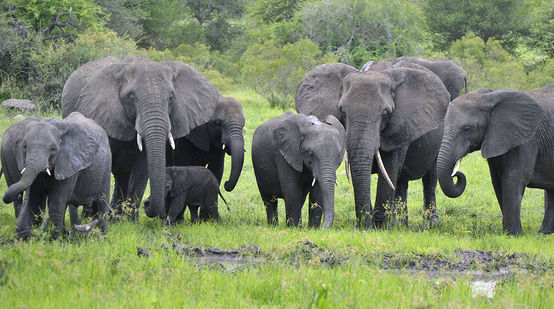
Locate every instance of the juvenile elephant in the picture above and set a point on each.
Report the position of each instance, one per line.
(207, 144)
(515, 132)
(192, 186)
(135, 98)
(295, 154)
(383, 112)
(65, 161)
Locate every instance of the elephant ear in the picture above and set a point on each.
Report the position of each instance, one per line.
(320, 90)
(80, 145)
(335, 123)
(513, 120)
(99, 100)
(200, 137)
(195, 101)
(288, 138)
(420, 101)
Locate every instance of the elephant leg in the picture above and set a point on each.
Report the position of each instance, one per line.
(137, 184)
(429, 182)
(176, 206)
(17, 204)
(209, 210)
(74, 214)
(193, 213)
(216, 164)
(25, 218)
(385, 194)
(57, 204)
(270, 204)
(496, 181)
(401, 201)
(294, 186)
(315, 212)
(101, 210)
(121, 184)
(547, 226)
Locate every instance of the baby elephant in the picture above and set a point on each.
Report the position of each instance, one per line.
(64, 162)
(295, 154)
(192, 186)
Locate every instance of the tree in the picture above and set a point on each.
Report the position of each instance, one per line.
(125, 17)
(452, 19)
(271, 11)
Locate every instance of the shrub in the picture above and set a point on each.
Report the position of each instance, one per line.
(275, 72)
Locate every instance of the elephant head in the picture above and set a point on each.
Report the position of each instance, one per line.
(384, 110)
(307, 143)
(138, 97)
(224, 131)
(59, 148)
(493, 121)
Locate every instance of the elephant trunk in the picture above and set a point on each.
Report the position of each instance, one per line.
(361, 146)
(155, 134)
(327, 186)
(32, 169)
(445, 164)
(236, 144)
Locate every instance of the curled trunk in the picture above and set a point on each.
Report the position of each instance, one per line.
(236, 144)
(27, 178)
(445, 165)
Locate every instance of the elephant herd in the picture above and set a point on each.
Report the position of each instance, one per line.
(136, 118)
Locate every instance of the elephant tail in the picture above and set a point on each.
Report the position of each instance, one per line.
(465, 83)
(221, 195)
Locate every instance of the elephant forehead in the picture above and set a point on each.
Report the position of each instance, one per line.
(146, 71)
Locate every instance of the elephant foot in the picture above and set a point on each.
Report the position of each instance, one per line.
(546, 230)
(431, 221)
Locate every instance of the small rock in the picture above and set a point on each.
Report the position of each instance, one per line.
(19, 117)
(143, 252)
(24, 105)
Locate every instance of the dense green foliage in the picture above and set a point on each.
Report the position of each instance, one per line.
(105, 271)
(268, 45)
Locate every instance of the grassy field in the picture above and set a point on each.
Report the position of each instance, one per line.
(105, 270)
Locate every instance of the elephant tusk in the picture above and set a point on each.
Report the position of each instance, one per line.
(171, 141)
(48, 172)
(337, 183)
(23, 170)
(313, 182)
(456, 167)
(347, 167)
(383, 170)
(244, 149)
(223, 147)
(139, 141)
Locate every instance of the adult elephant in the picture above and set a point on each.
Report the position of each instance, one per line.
(208, 143)
(515, 132)
(135, 98)
(382, 111)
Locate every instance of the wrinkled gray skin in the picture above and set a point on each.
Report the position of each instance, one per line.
(204, 144)
(76, 152)
(515, 132)
(421, 157)
(288, 153)
(382, 111)
(139, 99)
(192, 186)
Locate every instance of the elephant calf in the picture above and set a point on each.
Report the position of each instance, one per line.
(66, 162)
(192, 186)
(295, 154)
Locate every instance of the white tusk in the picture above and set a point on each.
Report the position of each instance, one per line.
(23, 170)
(347, 167)
(139, 141)
(456, 167)
(313, 182)
(171, 141)
(48, 172)
(383, 170)
(223, 147)
(244, 149)
(337, 183)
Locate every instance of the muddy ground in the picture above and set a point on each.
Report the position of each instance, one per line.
(476, 263)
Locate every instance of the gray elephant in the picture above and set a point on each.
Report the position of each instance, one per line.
(207, 144)
(135, 98)
(421, 157)
(66, 162)
(515, 132)
(192, 186)
(294, 155)
(383, 112)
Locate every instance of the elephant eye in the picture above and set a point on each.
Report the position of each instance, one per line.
(24, 146)
(466, 128)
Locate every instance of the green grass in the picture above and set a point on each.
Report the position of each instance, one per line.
(105, 271)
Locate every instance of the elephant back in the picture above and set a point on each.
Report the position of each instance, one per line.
(319, 92)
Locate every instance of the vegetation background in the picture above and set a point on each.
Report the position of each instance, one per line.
(257, 51)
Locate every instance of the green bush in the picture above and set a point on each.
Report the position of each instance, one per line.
(274, 72)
